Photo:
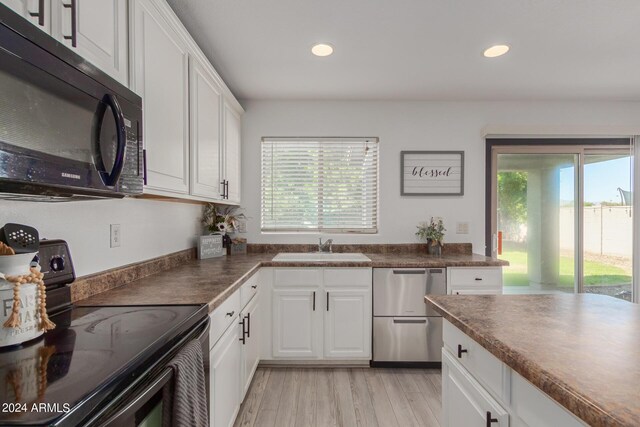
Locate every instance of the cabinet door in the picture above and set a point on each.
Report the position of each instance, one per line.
(160, 76)
(205, 116)
(251, 347)
(232, 129)
(101, 33)
(224, 382)
(296, 323)
(30, 10)
(464, 401)
(347, 323)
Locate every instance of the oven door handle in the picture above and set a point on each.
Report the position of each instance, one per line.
(111, 179)
(142, 398)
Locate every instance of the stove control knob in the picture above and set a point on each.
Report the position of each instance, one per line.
(57, 263)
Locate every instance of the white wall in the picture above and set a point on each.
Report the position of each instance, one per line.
(149, 228)
(418, 126)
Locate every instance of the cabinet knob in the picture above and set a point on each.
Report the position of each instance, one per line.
(490, 420)
(461, 350)
(254, 287)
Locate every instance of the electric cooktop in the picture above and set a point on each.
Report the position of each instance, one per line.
(70, 371)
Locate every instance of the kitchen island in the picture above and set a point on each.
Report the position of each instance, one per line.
(542, 359)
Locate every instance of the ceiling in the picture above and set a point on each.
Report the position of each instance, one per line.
(421, 49)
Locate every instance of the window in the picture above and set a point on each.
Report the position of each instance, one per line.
(320, 184)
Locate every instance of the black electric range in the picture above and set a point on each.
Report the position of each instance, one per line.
(99, 366)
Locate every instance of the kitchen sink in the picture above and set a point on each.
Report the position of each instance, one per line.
(320, 257)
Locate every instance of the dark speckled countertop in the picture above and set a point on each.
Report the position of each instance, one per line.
(212, 281)
(582, 350)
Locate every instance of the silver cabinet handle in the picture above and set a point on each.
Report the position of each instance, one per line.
(409, 320)
(409, 271)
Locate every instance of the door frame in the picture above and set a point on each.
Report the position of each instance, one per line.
(577, 146)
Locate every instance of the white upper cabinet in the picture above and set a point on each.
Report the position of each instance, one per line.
(232, 130)
(36, 12)
(95, 30)
(160, 76)
(191, 119)
(206, 102)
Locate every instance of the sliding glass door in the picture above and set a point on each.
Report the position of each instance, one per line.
(561, 216)
(607, 247)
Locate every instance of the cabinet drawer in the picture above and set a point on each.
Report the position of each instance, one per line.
(249, 289)
(223, 316)
(478, 276)
(297, 277)
(475, 291)
(484, 366)
(347, 276)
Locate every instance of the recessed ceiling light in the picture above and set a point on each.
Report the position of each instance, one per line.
(496, 50)
(322, 49)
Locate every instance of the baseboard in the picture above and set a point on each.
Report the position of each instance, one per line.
(411, 365)
(314, 364)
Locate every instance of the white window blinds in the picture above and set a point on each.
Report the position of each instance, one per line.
(320, 184)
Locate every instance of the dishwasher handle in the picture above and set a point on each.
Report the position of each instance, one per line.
(409, 271)
(409, 320)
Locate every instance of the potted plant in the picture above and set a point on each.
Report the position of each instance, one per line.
(433, 234)
(222, 219)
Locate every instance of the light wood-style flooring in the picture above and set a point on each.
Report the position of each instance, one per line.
(306, 397)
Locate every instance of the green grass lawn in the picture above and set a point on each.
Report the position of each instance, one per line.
(596, 273)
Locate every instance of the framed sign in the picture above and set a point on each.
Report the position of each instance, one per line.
(210, 246)
(432, 173)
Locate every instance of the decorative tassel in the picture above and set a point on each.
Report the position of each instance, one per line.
(44, 354)
(35, 276)
(14, 379)
(45, 323)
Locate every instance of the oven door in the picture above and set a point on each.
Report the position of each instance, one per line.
(61, 131)
(145, 407)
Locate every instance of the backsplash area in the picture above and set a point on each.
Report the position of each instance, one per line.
(149, 228)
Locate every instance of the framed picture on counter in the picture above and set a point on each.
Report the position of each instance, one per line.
(432, 173)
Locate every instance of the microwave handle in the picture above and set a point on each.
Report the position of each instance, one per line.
(112, 178)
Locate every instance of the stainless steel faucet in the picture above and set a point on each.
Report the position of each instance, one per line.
(326, 246)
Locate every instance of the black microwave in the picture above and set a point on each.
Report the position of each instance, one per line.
(67, 130)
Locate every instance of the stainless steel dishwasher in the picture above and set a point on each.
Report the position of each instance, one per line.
(405, 330)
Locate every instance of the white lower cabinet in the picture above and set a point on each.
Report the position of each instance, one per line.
(347, 323)
(224, 380)
(465, 403)
(321, 313)
(235, 353)
(296, 323)
(480, 390)
(250, 316)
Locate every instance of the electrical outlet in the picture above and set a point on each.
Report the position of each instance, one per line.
(116, 236)
(462, 228)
